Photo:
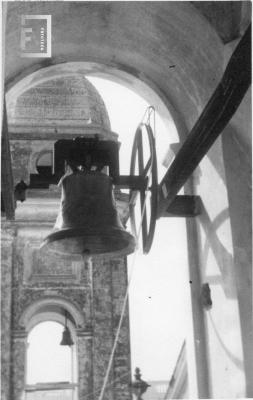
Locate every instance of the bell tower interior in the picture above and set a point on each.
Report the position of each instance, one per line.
(184, 196)
(47, 285)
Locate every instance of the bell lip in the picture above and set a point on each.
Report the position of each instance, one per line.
(78, 232)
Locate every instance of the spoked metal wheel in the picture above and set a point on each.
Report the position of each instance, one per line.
(144, 165)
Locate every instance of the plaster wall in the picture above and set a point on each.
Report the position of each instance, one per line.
(224, 321)
(154, 41)
(225, 254)
(238, 171)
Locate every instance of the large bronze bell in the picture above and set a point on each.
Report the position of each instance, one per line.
(88, 221)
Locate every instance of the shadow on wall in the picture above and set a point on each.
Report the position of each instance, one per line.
(234, 359)
(238, 168)
(222, 256)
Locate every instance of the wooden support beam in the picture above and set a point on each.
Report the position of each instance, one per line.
(7, 186)
(184, 206)
(217, 113)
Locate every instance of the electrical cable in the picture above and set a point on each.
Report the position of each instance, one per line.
(126, 295)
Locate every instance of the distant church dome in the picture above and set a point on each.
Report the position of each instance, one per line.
(64, 103)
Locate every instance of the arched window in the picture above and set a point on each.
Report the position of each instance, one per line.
(44, 163)
(51, 367)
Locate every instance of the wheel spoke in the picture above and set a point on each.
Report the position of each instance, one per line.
(140, 153)
(147, 167)
(148, 218)
(144, 217)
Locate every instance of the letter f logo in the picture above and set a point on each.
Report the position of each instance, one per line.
(35, 39)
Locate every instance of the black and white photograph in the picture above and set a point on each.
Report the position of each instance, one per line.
(126, 200)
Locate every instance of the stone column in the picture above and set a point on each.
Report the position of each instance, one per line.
(7, 237)
(102, 327)
(122, 363)
(85, 367)
(19, 345)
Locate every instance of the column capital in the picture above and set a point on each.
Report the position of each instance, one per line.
(84, 333)
(19, 334)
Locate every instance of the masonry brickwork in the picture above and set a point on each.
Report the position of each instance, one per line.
(95, 288)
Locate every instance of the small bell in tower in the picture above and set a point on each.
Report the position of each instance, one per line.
(66, 335)
(66, 338)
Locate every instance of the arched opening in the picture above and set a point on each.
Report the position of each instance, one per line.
(47, 359)
(98, 71)
(44, 164)
(51, 366)
(159, 291)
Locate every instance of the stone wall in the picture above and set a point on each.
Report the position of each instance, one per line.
(30, 277)
(7, 237)
(223, 333)
(109, 289)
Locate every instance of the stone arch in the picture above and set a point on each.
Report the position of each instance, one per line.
(36, 156)
(50, 308)
(44, 153)
(166, 59)
(153, 42)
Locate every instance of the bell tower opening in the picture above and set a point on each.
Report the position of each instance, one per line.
(44, 164)
(159, 283)
(51, 368)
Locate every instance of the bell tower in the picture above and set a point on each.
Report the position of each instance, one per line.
(41, 285)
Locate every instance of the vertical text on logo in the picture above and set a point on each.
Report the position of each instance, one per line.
(35, 38)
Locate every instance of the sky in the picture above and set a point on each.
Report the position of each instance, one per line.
(159, 281)
(47, 360)
(157, 293)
